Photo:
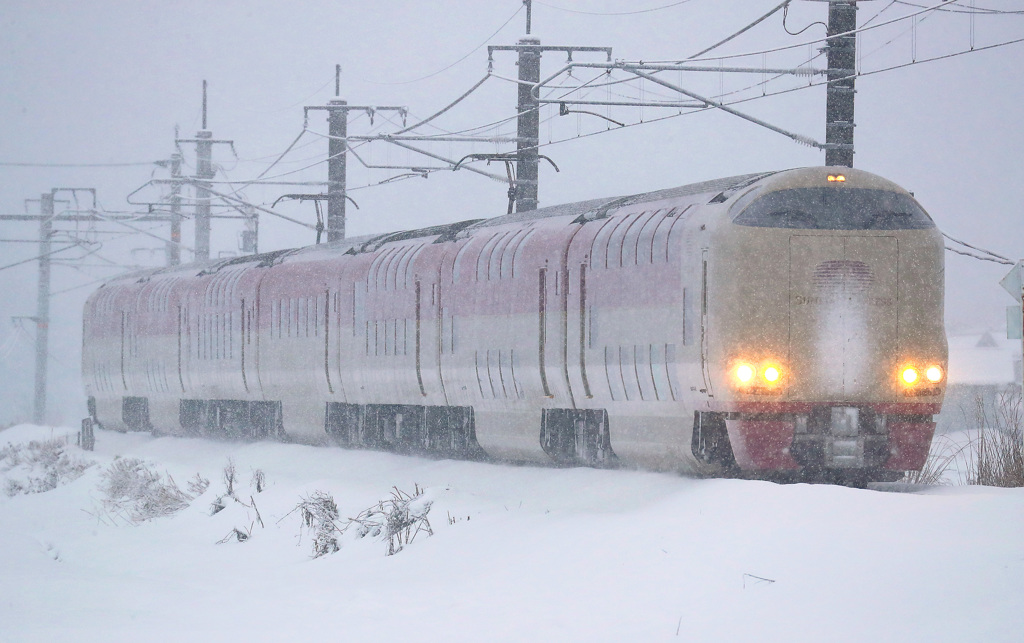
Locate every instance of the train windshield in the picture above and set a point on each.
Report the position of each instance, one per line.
(830, 208)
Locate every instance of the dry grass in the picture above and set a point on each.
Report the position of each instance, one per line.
(39, 466)
(136, 493)
(396, 520)
(996, 455)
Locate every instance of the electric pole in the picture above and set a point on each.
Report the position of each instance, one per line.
(337, 150)
(174, 247)
(529, 50)
(842, 67)
(204, 172)
(528, 126)
(43, 306)
(204, 142)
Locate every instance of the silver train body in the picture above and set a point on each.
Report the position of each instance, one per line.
(780, 323)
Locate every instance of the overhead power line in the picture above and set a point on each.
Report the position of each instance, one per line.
(718, 44)
(13, 164)
(612, 13)
(444, 69)
(820, 40)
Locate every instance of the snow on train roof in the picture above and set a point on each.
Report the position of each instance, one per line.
(369, 243)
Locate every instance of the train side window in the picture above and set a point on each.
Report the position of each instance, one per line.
(479, 380)
(600, 244)
(518, 253)
(508, 252)
(645, 240)
(483, 258)
(617, 239)
(612, 374)
(659, 244)
(498, 254)
(644, 375)
(672, 241)
(670, 368)
(631, 240)
(385, 273)
(406, 268)
(397, 267)
(371, 274)
(459, 257)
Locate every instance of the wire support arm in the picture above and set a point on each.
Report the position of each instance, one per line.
(452, 163)
(799, 138)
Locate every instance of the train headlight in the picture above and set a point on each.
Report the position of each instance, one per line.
(934, 374)
(909, 375)
(744, 373)
(772, 374)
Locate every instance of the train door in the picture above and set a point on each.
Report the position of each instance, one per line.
(842, 315)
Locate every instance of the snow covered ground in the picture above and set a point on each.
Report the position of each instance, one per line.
(518, 553)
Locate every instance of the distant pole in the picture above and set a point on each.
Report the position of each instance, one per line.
(174, 247)
(337, 150)
(842, 64)
(528, 127)
(43, 307)
(204, 172)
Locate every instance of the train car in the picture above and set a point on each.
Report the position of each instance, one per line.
(779, 324)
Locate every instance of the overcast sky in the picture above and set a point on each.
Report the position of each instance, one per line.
(106, 82)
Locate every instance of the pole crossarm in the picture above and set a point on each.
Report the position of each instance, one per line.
(569, 49)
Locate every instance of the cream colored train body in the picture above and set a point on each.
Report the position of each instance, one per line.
(783, 323)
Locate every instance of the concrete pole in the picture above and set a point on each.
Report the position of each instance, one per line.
(337, 148)
(204, 172)
(528, 131)
(174, 247)
(43, 308)
(842, 60)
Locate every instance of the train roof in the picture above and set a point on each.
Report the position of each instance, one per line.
(719, 189)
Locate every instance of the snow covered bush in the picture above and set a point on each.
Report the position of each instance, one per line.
(40, 465)
(137, 493)
(319, 514)
(396, 520)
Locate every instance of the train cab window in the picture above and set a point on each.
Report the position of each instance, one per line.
(830, 208)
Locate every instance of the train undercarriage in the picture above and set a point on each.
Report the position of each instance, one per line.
(837, 444)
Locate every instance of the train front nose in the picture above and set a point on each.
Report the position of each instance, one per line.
(842, 316)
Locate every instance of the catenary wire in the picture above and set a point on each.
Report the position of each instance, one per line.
(440, 71)
(612, 13)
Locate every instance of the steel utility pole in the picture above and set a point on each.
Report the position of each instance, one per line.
(204, 142)
(842, 67)
(43, 306)
(337, 150)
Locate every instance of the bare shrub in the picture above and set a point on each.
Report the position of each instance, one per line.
(138, 493)
(43, 465)
(996, 455)
(230, 475)
(943, 455)
(396, 520)
(259, 480)
(198, 485)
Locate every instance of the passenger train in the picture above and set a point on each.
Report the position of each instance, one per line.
(784, 324)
